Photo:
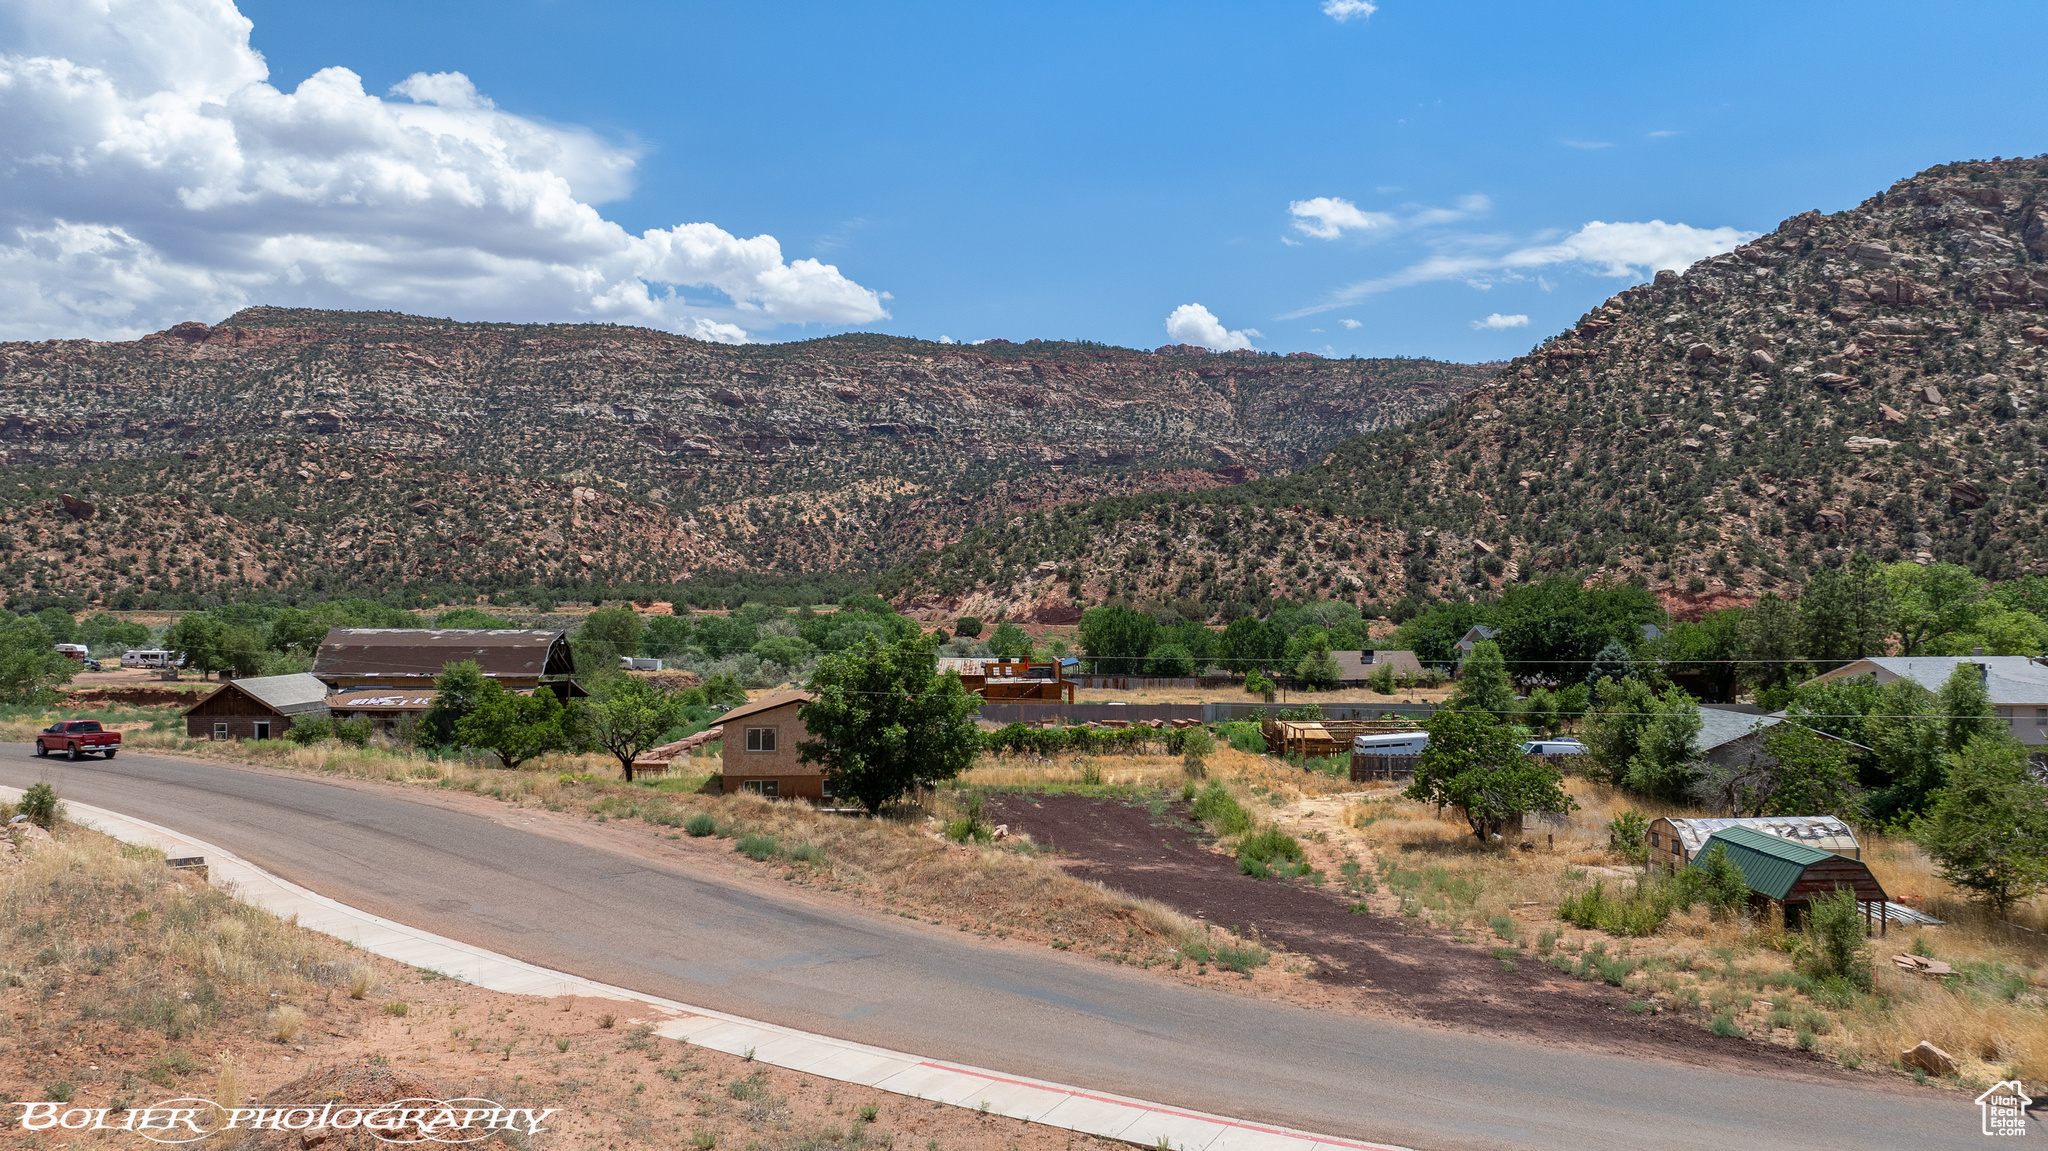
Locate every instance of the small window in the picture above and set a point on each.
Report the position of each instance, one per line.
(2041, 717)
(2005, 713)
(760, 739)
(1656, 840)
(262, 729)
(765, 788)
(220, 732)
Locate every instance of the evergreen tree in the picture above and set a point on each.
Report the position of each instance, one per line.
(1988, 830)
(1483, 683)
(1610, 662)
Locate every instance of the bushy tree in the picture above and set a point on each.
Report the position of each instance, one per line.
(517, 727)
(1317, 668)
(1665, 764)
(666, 637)
(295, 629)
(1926, 603)
(457, 691)
(1988, 830)
(467, 617)
(626, 717)
(884, 720)
(967, 627)
(1483, 682)
(1010, 640)
(1707, 651)
(1117, 638)
(104, 631)
(1965, 708)
(1769, 635)
(200, 640)
(606, 634)
(1539, 711)
(1792, 770)
(59, 623)
(1250, 645)
(1170, 660)
(1475, 764)
(719, 636)
(31, 668)
(1845, 615)
(1616, 724)
(1557, 627)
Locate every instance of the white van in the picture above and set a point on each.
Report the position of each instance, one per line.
(155, 657)
(1391, 743)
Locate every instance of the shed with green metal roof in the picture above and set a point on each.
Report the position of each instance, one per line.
(1791, 873)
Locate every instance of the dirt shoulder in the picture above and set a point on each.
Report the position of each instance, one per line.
(1363, 960)
(108, 952)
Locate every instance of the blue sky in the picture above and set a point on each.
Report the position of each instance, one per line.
(1083, 171)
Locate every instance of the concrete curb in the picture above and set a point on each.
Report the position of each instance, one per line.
(1017, 1097)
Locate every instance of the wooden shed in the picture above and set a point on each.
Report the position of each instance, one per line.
(1793, 875)
(263, 707)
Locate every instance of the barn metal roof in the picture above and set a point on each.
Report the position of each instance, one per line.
(1769, 865)
(423, 652)
(1822, 832)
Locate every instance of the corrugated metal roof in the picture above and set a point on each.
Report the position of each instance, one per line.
(1821, 832)
(1769, 865)
(416, 652)
(284, 694)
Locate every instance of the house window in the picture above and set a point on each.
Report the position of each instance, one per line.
(760, 739)
(220, 731)
(2041, 717)
(765, 788)
(1656, 840)
(262, 729)
(2005, 713)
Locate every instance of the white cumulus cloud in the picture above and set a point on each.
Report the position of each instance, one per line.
(1195, 324)
(1497, 322)
(1342, 10)
(1621, 250)
(150, 173)
(1351, 323)
(1328, 217)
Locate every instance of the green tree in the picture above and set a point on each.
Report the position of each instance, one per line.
(1927, 603)
(242, 650)
(104, 631)
(666, 637)
(967, 627)
(1539, 711)
(718, 636)
(1725, 887)
(1170, 660)
(1665, 765)
(884, 720)
(468, 617)
(1612, 661)
(295, 629)
(1433, 633)
(1317, 668)
(1770, 638)
(626, 716)
(1845, 615)
(1557, 627)
(1117, 638)
(1250, 645)
(60, 625)
(1707, 651)
(199, 640)
(1988, 829)
(1811, 774)
(1965, 708)
(516, 727)
(1483, 682)
(1616, 725)
(31, 668)
(1475, 764)
(606, 634)
(457, 691)
(1010, 640)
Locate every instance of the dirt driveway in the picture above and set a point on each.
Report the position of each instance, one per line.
(1365, 961)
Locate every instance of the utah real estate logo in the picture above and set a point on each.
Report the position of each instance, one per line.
(2005, 1108)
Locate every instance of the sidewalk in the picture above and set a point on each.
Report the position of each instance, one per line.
(1017, 1097)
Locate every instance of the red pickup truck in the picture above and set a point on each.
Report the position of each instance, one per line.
(76, 737)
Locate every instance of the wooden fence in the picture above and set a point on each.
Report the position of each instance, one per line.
(1390, 767)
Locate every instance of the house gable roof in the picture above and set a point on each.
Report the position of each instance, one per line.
(782, 699)
(2008, 679)
(283, 694)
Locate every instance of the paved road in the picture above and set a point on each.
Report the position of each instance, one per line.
(713, 940)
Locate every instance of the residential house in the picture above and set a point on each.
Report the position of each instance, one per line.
(2016, 684)
(389, 657)
(1473, 638)
(261, 707)
(759, 750)
(1675, 841)
(1354, 667)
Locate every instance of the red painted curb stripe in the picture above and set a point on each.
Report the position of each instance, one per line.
(1069, 1092)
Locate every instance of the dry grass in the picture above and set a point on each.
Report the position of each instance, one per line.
(1993, 1016)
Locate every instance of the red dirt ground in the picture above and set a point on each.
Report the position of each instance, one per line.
(1371, 963)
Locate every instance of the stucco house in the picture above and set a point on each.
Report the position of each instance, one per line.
(759, 750)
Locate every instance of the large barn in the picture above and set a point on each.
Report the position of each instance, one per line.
(389, 657)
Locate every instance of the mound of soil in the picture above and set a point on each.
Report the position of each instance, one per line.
(352, 1087)
(1372, 962)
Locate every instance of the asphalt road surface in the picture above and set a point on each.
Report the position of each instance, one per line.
(708, 938)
